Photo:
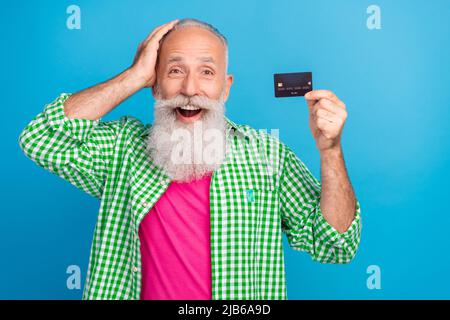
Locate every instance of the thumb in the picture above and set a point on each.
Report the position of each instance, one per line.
(311, 104)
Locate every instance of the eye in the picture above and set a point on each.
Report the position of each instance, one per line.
(208, 72)
(173, 71)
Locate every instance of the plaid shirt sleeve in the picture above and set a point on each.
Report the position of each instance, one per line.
(302, 219)
(77, 150)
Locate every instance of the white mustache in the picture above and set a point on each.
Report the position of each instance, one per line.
(182, 101)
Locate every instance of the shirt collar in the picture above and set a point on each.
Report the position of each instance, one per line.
(233, 128)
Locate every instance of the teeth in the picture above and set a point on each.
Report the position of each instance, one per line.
(189, 107)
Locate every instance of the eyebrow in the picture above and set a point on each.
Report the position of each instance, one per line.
(201, 59)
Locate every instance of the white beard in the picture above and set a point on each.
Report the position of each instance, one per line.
(188, 152)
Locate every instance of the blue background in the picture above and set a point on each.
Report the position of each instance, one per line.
(394, 82)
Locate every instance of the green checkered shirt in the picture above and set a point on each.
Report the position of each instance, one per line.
(261, 190)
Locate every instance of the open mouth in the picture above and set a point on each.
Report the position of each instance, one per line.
(189, 111)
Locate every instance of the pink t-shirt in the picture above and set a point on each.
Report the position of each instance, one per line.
(175, 244)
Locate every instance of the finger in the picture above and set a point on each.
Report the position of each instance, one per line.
(152, 33)
(157, 29)
(319, 105)
(327, 128)
(324, 105)
(319, 94)
(331, 106)
(323, 122)
(161, 31)
(323, 94)
(324, 114)
(311, 103)
(158, 36)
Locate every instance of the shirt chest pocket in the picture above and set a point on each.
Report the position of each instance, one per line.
(259, 205)
(251, 198)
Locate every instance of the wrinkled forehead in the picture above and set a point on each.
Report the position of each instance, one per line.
(192, 41)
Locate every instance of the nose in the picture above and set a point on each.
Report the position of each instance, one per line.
(190, 86)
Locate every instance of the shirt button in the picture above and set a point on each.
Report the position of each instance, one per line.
(144, 204)
(135, 269)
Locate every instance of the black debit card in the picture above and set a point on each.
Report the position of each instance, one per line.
(292, 84)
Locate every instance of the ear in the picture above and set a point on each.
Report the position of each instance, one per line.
(155, 85)
(228, 83)
(154, 89)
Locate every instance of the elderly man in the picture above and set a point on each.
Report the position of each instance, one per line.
(194, 206)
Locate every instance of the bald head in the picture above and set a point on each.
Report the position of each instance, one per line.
(185, 23)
